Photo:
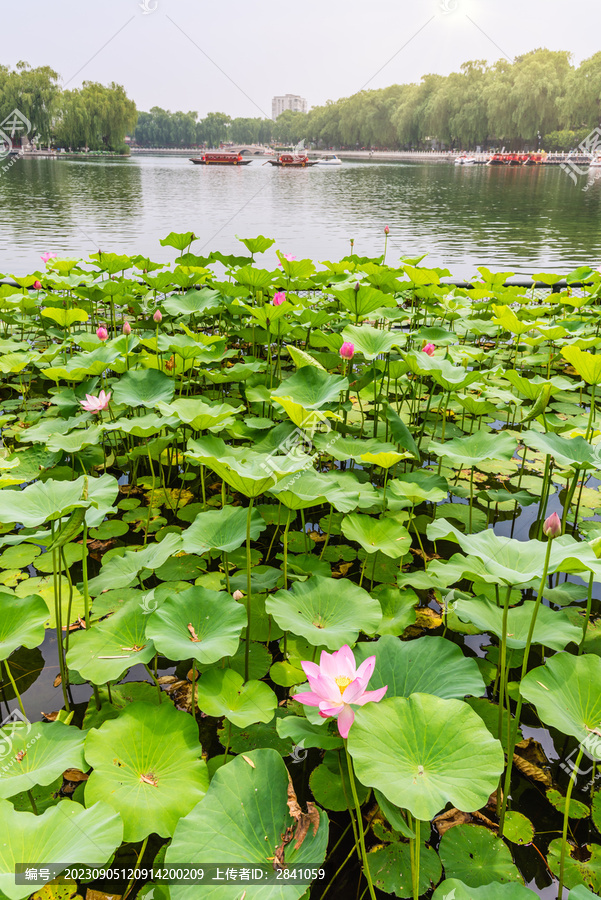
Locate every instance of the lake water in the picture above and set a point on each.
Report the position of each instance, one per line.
(524, 219)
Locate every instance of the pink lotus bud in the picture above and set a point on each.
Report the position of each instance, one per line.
(37, 285)
(126, 328)
(386, 229)
(279, 298)
(429, 349)
(357, 287)
(158, 316)
(552, 525)
(101, 333)
(347, 351)
(237, 595)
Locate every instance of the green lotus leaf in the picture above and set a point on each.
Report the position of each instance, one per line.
(103, 653)
(325, 611)
(312, 388)
(243, 469)
(582, 870)
(406, 668)
(50, 500)
(444, 373)
(21, 622)
(222, 692)
(147, 768)
(330, 785)
(254, 278)
(75, 440)
(369, 341)
(588, 365)
(301, 359)
(47, 750)
(424, 752)
(514, 562)
(121, 571)
(143, 387)
(553, 627)
(573, 451)
(386, 535)
(419, 486)
(241, 821)
(390, 868)
(469, 451)
(384, 460)
(567, 694)
(65, 317)
(142, 426)
(506, 317)
(307, 419)
(223, 529)
(364, 301)
(258, 244)
(477, 857)
(237, 372)
(116, 698)
(11, 363)
(311, 488)
(399, 431)
(305, 734)
(191, 303)
(398, 609)
(65, 833)
(197, 624)
(179, 240)
(200, 415)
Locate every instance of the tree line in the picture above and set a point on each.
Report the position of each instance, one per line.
(95, 116)
(540, 100)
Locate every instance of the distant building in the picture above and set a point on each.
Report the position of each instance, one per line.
(287, 101)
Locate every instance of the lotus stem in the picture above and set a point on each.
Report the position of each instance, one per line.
(566, 814)
(591, 418)
(158, 686)
(516, 725)
(14, 686)
(589, 600)
(248, 590)
(32, 801)
(366, 871)
(137, 866)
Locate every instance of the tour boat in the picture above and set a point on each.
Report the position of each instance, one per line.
(595, 163)
(328, 161)
(465, 161)
(220, 159)
(292, 161)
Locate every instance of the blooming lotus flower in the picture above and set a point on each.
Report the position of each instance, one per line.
(279, 298)
(552, 525)
(429, 349)
(96, 404)
(158, 316)
(126, 328)
(337, 685)
(37, 285)
(101, 333)
(47, 257)
(287, 256)
(347, 351)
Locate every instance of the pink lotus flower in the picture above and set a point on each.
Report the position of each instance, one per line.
(429, 349)
(287, 256)
(279, 298)
(347, 351)
(96, 404)
(126, 328)
(238, 595)
(37, 285)
(47, 257)
(337, 685)
(552, 525)
(101, 333)
(386, 229)
(158, 316)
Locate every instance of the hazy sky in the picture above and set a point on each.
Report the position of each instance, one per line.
(234, 55)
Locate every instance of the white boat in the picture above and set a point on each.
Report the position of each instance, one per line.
(329, 161)
(465, 161)
(595, 163)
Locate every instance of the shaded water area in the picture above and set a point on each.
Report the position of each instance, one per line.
(523, 219)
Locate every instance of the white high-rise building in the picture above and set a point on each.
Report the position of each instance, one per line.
(287, 101)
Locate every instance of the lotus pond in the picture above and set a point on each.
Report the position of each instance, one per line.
(303, 568)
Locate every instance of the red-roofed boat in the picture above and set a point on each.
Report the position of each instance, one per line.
(221, 158)
(293, 161)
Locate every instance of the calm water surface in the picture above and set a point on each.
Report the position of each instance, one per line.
(522, 219)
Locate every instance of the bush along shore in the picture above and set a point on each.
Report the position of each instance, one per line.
(311, 557)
